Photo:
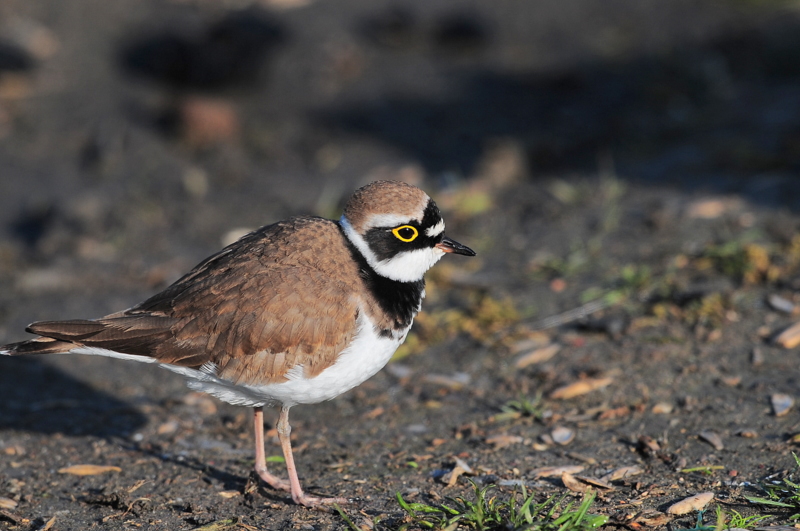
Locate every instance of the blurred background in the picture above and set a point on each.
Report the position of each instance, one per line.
(135, 136)
(138, 137)
(639, 153)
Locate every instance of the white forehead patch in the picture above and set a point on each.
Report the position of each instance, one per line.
(386, 220)
(436, 229)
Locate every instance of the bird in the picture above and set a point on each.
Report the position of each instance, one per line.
(296, 312)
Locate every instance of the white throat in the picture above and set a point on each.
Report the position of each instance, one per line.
(408, 266)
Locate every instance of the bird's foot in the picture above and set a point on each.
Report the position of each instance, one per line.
(273, 481)
(313, 501)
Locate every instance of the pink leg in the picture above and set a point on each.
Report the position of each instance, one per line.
(299, 497)
(261, 460)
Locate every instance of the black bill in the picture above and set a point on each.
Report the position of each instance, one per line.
(451, 246)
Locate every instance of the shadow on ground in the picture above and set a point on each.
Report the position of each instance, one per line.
(710, 115)
(59, 403)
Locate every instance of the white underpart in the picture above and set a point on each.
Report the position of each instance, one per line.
(435, 230)
(365, 356)
(408, 266)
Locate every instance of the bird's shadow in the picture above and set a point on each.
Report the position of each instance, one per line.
(40, 398)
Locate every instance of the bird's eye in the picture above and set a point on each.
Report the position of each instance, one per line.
(406, 233)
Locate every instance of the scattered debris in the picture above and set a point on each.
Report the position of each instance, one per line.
(712, 438)
(595, 482)
(621, 473)
(756, 357)
(538, 355)
(503, 440)
(168, 427)
(455, 382)
(48, 525)
(88, 470)
(651, 519)
(776, 302)
(692, 503)
(460, 468)
(711, 208)
(790, 337)
(781, 404)
(14, 519)
(581, 387)
(574, 484)
(556, 471)
(662, 408)
(219, 525)
(648, 446)
(202, 401)
(207, 122)
(7, 503)
(562, 435)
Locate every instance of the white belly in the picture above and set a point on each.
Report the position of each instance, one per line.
(365, 356)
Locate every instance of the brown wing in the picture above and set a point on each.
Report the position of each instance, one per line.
(281, 296)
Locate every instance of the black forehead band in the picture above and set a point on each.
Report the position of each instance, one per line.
(431, 216)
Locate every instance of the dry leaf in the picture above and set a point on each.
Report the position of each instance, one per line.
(617, 412)
(713, 439)
(219, 525)
(539, 355)
(229, 493)
(790, 337)
(7, 503)
(556, 471)
(710, 208)
(651, 518)
(461, 467)
(503, 440)
(692, 503)
(594, 482)
(455, 382)
(662, 408)
(581, 387)
(620, 473)
(170, 426)
(375, 413)
(574, 484)
(48, 525)
(88, 470)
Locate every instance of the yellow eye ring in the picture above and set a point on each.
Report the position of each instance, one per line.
(406, 233)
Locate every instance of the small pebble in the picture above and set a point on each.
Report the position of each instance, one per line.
(776, 302)
(562, 435)
(662, 408)
(781, 404)
(713, 439)
(757, 357)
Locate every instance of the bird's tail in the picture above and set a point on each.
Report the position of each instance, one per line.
(39, 345)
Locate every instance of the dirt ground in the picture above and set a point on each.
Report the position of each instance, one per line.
(626, 170)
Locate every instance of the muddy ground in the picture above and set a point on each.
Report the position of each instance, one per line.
(642, 155)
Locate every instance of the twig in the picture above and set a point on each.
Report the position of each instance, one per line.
(571, 315)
